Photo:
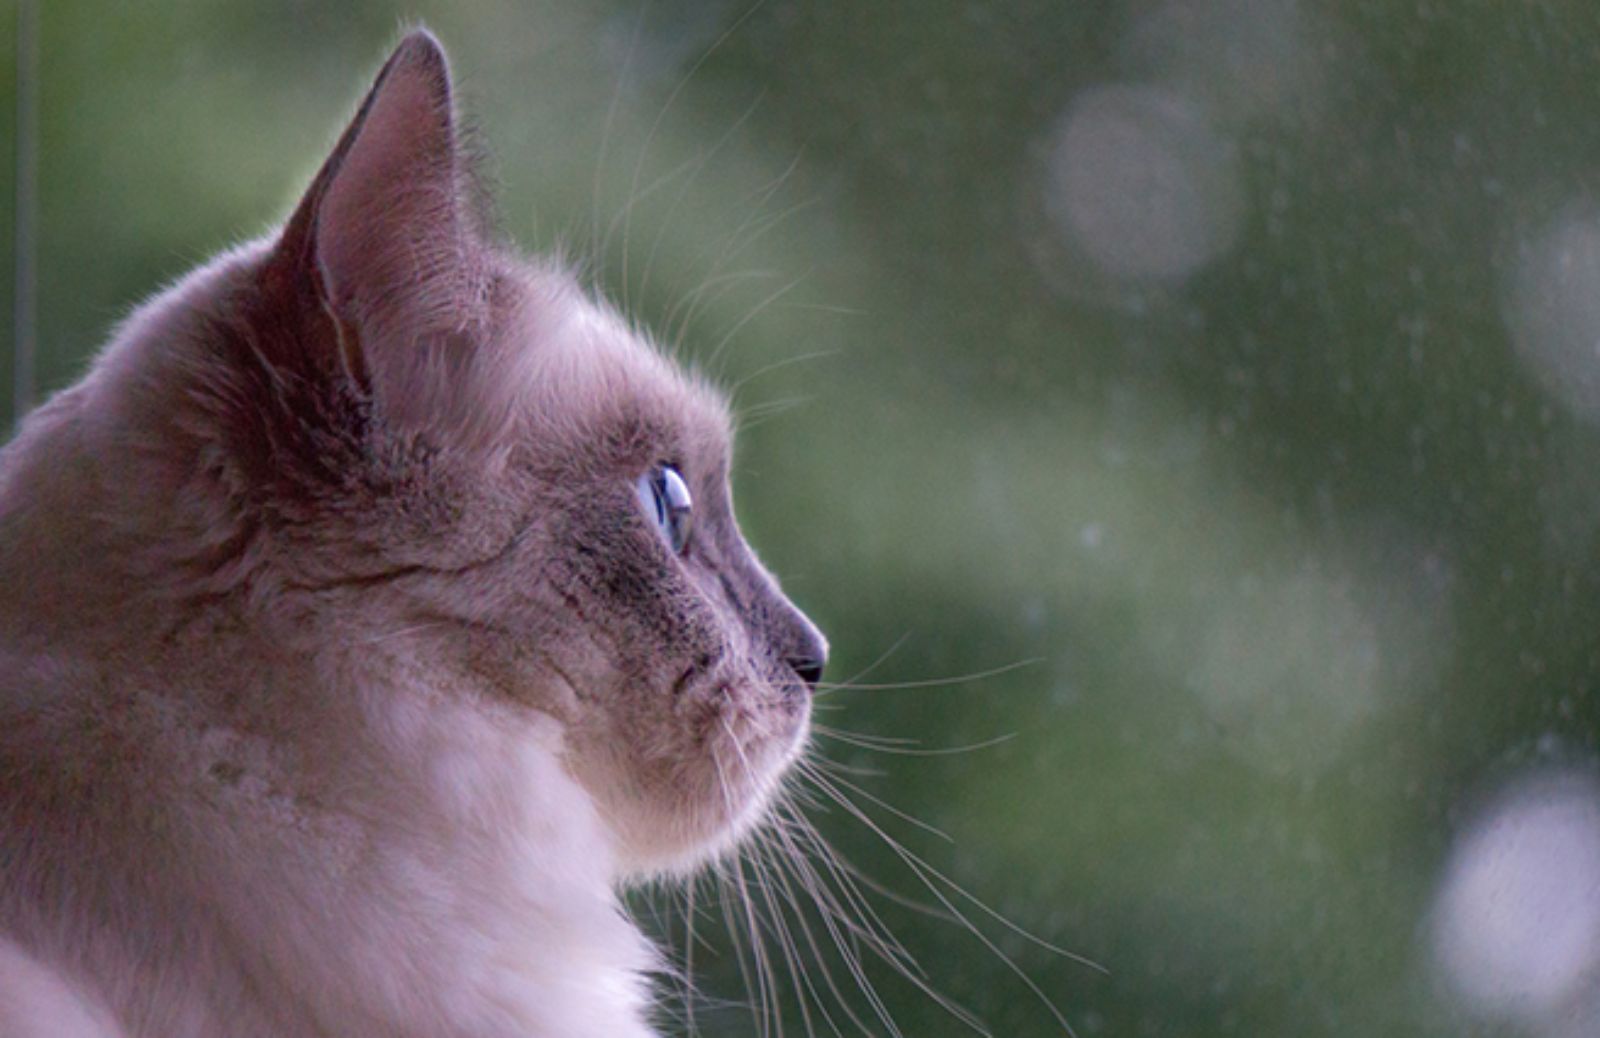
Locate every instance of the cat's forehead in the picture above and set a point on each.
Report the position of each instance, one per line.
(587, 372)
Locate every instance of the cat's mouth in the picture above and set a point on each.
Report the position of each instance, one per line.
(753, 724)
(697, 669)
(758, 712)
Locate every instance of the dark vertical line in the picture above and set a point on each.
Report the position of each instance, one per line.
(23, 342)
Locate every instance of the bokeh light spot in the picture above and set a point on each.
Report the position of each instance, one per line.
(1553, 309)
(1142, 183)
(1516, 929)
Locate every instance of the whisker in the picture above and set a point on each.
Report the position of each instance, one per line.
(892, 952)
(623, 215)
(922, 870)
(873, 743)
(755, 311)
(877, 740)
(967, 895)
(856, 876)
(876, 663)
(741, 955)
(770, 1007)
(756, 226)
(988, 943)
(746, 968)
(655, 126)
(605, 133)
(829, 308)
(823, 898)
(766, 369)
(757, 229)
(852, 963)
(402, 632)
(827, 687)
(707, 292)
(880, 938)
(751, 417)
(683, 192)
(688, 960)
(753, 226)
(769, 991)
(819, 766)
(799, 978)
(858, 770)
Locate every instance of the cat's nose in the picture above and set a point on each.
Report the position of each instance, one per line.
(793, 638)
(809, 668)
(808, 652)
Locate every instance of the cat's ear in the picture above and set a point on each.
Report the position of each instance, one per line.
(384, 240)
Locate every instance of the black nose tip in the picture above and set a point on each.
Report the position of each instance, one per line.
(809, 668)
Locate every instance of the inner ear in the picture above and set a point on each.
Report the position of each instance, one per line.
(383, 238)
(390, 216)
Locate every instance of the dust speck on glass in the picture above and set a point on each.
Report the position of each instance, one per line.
(1218, 381)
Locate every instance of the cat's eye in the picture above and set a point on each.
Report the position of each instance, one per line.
(665, 499)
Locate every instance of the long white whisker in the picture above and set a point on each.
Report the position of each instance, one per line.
(880, 744)
(751, 417)
(736, 248)
(958, 888)
(605, 135)
(766, 369)
(893, 953)
(849, 873)
(741, 956)
(755, 311)
(655, 126)
(922, 870)
(823, 897)
(683, 192)
(742, 237)
(644, 194)
(886, 944)
(688, 960)
(827, 687)
(771, 1008)
(822, 765)
(851, 961)
(708, 291)
(799, 978)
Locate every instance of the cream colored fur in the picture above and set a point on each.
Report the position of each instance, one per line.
(343, 682)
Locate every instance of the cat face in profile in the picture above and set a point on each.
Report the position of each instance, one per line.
(460, 438)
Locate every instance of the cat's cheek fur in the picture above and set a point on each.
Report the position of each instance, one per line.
(689, 711)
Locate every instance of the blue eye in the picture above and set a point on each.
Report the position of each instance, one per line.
(665, 498)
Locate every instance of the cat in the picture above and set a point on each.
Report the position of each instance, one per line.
(372, 612)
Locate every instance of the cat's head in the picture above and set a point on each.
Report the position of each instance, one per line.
(426, 440)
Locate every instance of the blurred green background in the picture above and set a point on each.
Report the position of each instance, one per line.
(1233, 365)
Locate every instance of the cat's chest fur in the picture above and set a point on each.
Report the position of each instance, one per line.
(427, 870)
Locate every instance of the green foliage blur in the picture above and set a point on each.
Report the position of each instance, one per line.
(1272, 504)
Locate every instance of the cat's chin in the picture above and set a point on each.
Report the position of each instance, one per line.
(747, 754)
